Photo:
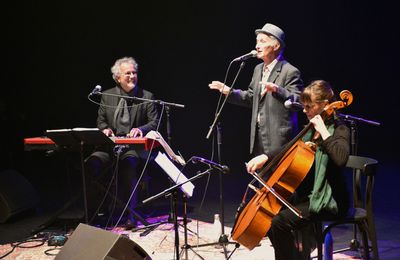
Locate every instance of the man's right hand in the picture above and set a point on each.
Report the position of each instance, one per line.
(220, 87)
(108, 132)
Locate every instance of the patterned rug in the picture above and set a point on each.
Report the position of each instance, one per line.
(160, 244)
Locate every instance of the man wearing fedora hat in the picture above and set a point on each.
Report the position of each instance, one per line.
(274, 81)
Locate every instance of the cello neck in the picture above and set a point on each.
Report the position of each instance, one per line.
(286, 148)
(347, 98)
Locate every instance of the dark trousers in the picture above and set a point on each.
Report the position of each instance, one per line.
(258, 146)
(292, 237)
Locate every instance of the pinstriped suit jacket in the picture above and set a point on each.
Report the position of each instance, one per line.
(277, 123)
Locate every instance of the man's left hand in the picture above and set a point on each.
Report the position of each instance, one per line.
(268, 86)
(135, 132)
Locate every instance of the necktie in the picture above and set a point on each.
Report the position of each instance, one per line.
(265, 75)
(123, 118)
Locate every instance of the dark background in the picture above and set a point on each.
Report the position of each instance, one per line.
(55, 53)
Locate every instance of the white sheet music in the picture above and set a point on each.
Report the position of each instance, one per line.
(175, 174)
(154, 135)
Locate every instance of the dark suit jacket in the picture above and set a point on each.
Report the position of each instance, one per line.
(277, 123)
(144, 115)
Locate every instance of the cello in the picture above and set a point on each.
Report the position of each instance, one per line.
(286, 170)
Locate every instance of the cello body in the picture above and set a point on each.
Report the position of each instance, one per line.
(254, 221)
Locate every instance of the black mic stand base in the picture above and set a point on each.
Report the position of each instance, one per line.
(150, 227)
(223, 242)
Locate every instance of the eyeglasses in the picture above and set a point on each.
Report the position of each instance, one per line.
(313, 104)
(309, 106)
(127, 74)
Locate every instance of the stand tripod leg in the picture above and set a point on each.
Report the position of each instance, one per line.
(223, 239)
(138, 217)
(153, 226)
(85, 205)
(184, 250)
(175, 200)
(185, 225)
(186, 246)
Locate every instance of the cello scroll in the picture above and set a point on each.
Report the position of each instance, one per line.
(347, 99)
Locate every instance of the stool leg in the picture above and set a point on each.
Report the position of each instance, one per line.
(363, 228)
(372, 237)
(319, 238)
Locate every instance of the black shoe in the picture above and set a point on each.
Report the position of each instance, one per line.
(129, 224)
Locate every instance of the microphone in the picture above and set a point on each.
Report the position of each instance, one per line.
(95, 91)
(293, 105)
(217, 166)
(249, 55)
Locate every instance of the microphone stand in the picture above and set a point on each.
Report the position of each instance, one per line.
(160, 102)
(223, 239)
(354, 244)
(169, 141)
(217, 115)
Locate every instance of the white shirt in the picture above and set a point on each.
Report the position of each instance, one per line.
(265, 75)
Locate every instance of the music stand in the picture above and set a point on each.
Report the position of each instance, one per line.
(62, 137)
(81, 137)
(185, 186)
(175, 176)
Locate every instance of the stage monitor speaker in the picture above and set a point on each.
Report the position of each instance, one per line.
(88, 242)
(16, 195)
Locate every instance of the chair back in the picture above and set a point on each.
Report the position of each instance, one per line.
(362, 167)
(363, 170)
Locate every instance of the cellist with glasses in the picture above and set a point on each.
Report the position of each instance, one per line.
(322, 195)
